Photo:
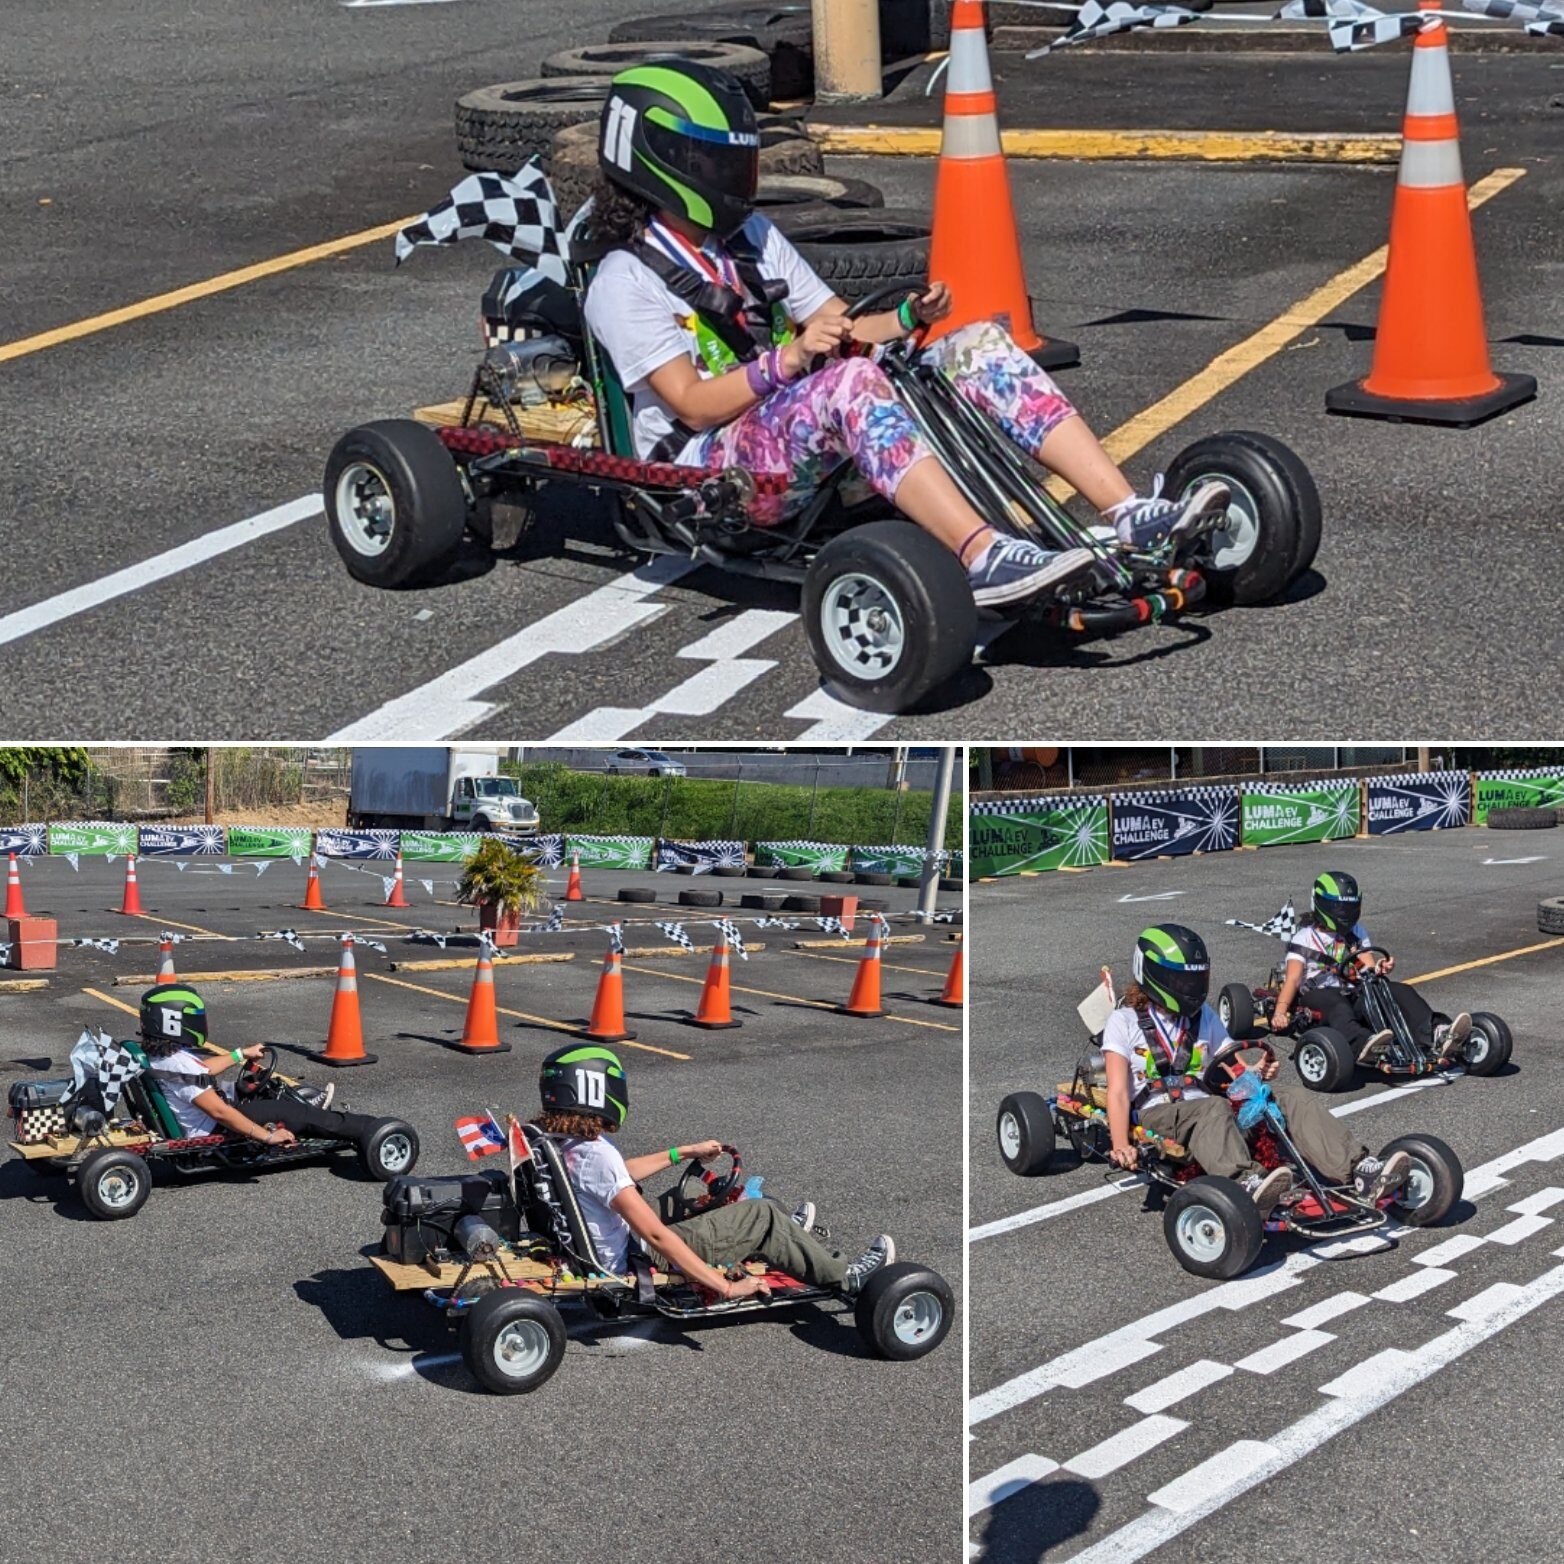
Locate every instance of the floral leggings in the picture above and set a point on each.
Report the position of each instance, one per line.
(848, 411)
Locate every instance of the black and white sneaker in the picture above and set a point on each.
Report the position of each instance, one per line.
(1373, 1048)
(1267, 1189)
(804, 1215)
(1140, 522)
(316, 1096)
(1374, 1179)
(881, 1252)
(1013, 569)
(1452, 1039)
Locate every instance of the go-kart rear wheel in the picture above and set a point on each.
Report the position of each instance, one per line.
(1235, 1005)
(1434, 1184)
(1488, 1049)
(395, 503)
(888, 614)
(904, 1311)
(1325, 1060)
(114, 1183)
(1213, 1227)
(1025, 1128)
(1273, 519)
(389, 1149)
(512, 1342)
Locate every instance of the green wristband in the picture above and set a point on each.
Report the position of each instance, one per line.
(907, 315)
(236, 1056)
(673, 1154)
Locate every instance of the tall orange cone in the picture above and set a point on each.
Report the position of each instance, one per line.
(573, 888)
(955, 983)
(345, 1035)
(715, 1011)
(397, 898)
(865, 998)
(131, 906)
(976, 246)
(608, 1009)
(14, 906)
(312, 898)
(481, 1029)
(165, 964)
(1431, 351)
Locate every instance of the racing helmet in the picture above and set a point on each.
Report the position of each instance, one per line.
(173, 1016)
(1338, 903)
(585, 1078)
(683, 136)
(1172, 966)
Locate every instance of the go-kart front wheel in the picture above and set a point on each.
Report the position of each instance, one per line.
(1434, 1184)
(889, 615)
(389, 1149)
(395, 503)
(511, 1341)
(1272, 531)
(1488, 1049)
(1325, 1060)
(1235, 1006)
(904, 1311)
(114, 1183)
(1213, 1227)
(1025, 1130)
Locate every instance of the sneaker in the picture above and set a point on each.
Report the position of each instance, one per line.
(316, 1096)
(1373, 1048)
(881, 1252)
(804, 1215)
(1453, 1038)
(1374, 1179)
(1013, 568)
(1268, 1188)
(1140, 522)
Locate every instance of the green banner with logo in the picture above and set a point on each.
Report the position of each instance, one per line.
(92, 838)
(611, 852)
(269, 841)
(1518, 790)
(432, 847)
(888, 860)
(1321, 812)
(1034, 834)
(821, 857)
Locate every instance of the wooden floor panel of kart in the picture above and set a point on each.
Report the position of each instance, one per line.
(562, 425)
(406, 1277)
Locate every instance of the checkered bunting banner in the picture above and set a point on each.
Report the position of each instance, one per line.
(349, 938)
(616, 938)
(1094, 20)
(777, 923)
(556, 919)
(514, 212)
(288, 936)
(675, 932)
(834, 926)
(1282, 926)
(109, 945)
(1539, 20)
(1353, 25)
(729, 931)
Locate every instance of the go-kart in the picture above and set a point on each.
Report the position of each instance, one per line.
(499, 1255)
(1327, 1062)
(888, 612)
(1212, 1224)
(112, 1149)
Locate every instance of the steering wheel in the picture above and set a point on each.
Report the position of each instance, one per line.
(1348, 966)
(720, 1188)
(1224, 1066)
(256, 1074)
(880, 299)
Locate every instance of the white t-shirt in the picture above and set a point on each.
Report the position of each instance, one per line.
(599, 1173)
(1123, 1036)
(183, 1078)
(1311, 944)
(642, 325)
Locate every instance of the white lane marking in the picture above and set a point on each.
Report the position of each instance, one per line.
(1010, 1479)
(1415, 1285)
(1539, 859)
(1178, 1386)
(449, 704)
(1160, 896)
(739, 634)
(1491, 1301)
(1427, 1084)
(1355, 1396)
(1087, 1197)
(1545, 1148)
(1189, 1491)
(1450, 1249)
(1543, 1200)
(78, 600)
(1329, 1309)
(1521, 1228)
(834, 721)
(1125, 1446)
(1288, 1350)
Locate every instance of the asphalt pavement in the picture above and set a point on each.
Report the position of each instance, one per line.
(1123, 1408)
(226, 1375)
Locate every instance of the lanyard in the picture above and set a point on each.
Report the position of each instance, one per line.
(724, 270)
(1162, 1036)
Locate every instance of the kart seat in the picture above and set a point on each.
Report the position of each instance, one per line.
(551, 1207)
(145, 1097)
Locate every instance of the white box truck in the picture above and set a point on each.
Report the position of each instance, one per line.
(436, 788)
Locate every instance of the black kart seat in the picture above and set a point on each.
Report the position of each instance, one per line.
(557, 1207)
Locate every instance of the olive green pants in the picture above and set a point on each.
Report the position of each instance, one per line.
(726, 1235)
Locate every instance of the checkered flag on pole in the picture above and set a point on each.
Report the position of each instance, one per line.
(675, 932)
(1282, 926)
(99, 1069)
(729, 931)
(514, 212)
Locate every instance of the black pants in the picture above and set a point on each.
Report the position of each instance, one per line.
(1343, 1013)
(305, 1120)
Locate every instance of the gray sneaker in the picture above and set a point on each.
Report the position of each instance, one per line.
(1014, 569)
(1373, 1048)
(1374, 1179)
(318, 1097)
(804, 1214)
(1141, 522)
(1453, 1038)
(881, 1252)
(1267, 1189)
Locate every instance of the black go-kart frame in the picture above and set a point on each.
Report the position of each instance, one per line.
(887, 610)
(1327, 1062)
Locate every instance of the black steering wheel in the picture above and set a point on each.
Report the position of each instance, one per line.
(1347, 967)
(880, 299)
(1224, 1066)
(255, 1075)
(719, 1188)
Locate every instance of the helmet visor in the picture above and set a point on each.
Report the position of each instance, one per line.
(722, 167)
(1341, 912)
(1182, 989)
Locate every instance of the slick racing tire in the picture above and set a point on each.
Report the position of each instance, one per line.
(904, 1311)
(1434, 1184)
(1325, 1060)
(114, 1183)
(1235, 1006)
(512, 1342)
(1213, 1227)
(1024, 1127)
(1488, 1049)
(389, 1150)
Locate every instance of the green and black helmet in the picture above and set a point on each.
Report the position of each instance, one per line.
(1172, 966)
(1338, 903)
(585, 1078)
(173, 1016)
(683, 136)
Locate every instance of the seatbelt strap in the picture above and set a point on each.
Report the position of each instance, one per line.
(1175, 1080)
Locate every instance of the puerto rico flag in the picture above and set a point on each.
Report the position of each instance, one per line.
(481, 1136)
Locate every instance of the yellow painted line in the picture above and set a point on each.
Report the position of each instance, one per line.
(1269, 340)
(1198, 146)
(236, 975)
(522, 1015)
(189, 928)
(1487, 961)
(852, 961)
(794, 999)
(109, 999)
(445, 964)
(195, 291)
(362, 917)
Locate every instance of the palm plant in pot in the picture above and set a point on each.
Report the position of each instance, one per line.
(502, 884)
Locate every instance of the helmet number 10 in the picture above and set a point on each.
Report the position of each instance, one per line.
(591, 1088)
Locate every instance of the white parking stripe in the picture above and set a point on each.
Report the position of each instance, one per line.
(1011, 1478)
(1521, 1228)
(1450, 1249)
(1330, 1309)
(1179, 1386)
(1415, 1285)
(1191, 1490)
(1543, 1200)
(79, 600)
(834, 721)
(1287, 1350)
(1125, 1446)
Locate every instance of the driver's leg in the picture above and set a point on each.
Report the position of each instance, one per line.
(1419, 1016)
(1207, 1129)
(728, 1234)
(1330, 1148)
(304, 1119)
(1336, 1011)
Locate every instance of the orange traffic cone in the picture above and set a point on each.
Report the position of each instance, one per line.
(715, 1012)
(573, 888)
(14, 907)
(955, 984)
(131, 906)
(976, 246)
(396, 898)
(481, 1029)
(345, 1036)
(865, 998)
(165, 964)
(608, 1009)
(312, 898)
(1431, 351)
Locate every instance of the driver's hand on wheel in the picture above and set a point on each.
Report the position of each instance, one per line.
(1124, 1157)
(253, 1052)
(824, 333)
(1269, 1068)
(1386, 965)
(701, 1150)
(748, 1287)
(934, 305)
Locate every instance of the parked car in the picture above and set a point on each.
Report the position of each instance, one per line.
(643, 763)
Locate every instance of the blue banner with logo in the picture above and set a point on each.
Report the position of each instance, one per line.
(699, 856)
(333, 843)
(1171, 823)
(1420, 801)
(26, 841)
(184, 840)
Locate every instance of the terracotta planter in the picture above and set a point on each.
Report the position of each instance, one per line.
(502, 925)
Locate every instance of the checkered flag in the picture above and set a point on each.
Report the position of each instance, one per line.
(514, 212)
(729, 931)
(99, 1069)
(616, 938)
(834, 926)
(675, 932)
(1282, 926)
(1353, 25)
(1095, 20)
(556, 919)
